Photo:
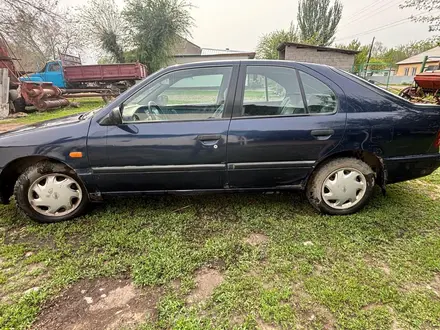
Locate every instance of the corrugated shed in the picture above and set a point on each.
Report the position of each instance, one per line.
(213, 51)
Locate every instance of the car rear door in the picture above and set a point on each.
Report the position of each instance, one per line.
(284, 120)
(173, 135)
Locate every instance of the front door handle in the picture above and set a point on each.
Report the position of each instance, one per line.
(322, 134)
(209, 140)
(206, 138)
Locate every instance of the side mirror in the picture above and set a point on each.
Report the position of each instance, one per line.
(113, 118)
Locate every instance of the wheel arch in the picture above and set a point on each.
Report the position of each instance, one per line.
(13, 170)
(374, 161)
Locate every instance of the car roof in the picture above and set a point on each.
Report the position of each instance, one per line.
(248, 61)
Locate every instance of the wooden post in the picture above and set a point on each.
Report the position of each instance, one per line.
(4, 93)
(369, 56)
(425, 59)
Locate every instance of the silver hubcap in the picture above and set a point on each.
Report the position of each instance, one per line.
(55, 195)
(344, 188)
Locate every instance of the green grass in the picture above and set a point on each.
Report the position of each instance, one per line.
(378, 269)
(87, 104)
(365, 271)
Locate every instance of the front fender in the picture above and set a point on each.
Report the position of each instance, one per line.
(53, 140)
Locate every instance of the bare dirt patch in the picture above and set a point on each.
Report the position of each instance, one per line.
(319, 314)
(382, 265)
(385, 268)
(9, 127)
(207, 280)
(100, 304)
(432, 190)
(432, 287)
(264, 326)
(256, 239)
(435, 285)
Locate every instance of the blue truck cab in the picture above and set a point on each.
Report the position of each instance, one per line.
(52, 72)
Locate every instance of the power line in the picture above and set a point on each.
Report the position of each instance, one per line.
(384, 27)
(363, 9)
(361, 13)
(384, 7)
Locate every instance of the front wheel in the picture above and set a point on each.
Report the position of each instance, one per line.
(50, 192)
(342, 186)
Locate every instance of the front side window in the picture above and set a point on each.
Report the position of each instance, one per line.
(191, 94)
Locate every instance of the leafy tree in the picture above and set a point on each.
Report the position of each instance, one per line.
(417, 47)
(388, 56)
(154, 28)
(40, 27)
(318, 21)
(268, 43)
(425, 6)
(102, 21)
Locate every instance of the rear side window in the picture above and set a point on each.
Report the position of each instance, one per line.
(259, 88)
(320, 98)
(272, 91)
(280, 91)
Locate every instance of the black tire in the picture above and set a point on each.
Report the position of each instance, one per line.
(315, 185)
(19, 105)
(33, 173)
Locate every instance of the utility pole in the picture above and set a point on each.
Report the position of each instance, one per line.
(369, 56)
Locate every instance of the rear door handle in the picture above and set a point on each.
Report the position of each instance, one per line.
(322, 134)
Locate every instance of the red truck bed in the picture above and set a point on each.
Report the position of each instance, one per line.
(105, 72)
(428, 80)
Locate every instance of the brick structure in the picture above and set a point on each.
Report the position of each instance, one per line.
(339, 58)
(188, 52)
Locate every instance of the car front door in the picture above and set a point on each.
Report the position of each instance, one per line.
(284, 121)
(173, 135)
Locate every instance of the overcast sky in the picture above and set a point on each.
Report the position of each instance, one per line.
(238, 24)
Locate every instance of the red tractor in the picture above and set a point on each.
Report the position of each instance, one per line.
(41, 95)
(426, 87)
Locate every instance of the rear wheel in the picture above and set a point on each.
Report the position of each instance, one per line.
(342, 186)
(50, 192)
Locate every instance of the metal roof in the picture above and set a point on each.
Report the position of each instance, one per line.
(214, 51)
(318, 48)
(419, 57)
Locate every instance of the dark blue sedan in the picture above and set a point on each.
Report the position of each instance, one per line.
(225, 126)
